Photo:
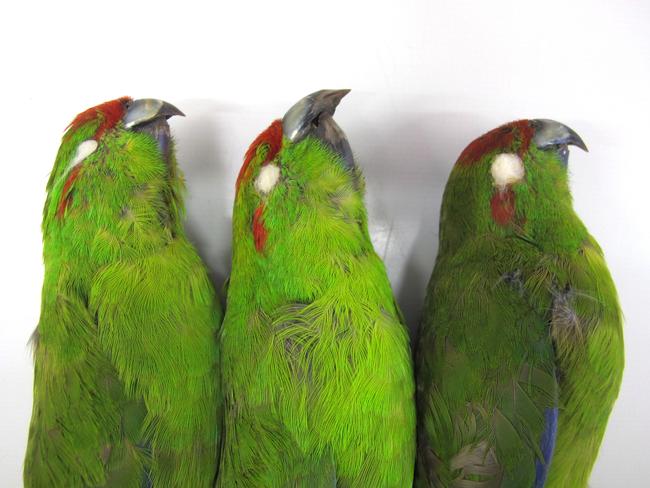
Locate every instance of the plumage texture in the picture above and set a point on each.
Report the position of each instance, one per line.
(318, 380)
(521, 318)
(125, 385)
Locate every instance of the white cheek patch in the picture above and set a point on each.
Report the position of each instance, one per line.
(267, 179)
(507, 168)
(85, 149)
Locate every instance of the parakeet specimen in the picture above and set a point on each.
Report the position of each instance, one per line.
(317, 373)
(125, 385)
(520, 353)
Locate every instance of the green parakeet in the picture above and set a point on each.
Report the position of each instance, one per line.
(126, 392)
(317, 373)
(520, 353)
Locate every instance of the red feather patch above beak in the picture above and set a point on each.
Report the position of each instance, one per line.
(271, 136)
(110, 114)
(502, 138)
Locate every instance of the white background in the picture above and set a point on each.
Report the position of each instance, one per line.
(427, 77)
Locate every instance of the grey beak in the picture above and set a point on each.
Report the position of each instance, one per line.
(313, 115)
(551, 133)
(298, 120)
(147, 109)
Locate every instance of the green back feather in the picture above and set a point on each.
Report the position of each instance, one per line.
(317, 371)
(502, 339)
(125, 386)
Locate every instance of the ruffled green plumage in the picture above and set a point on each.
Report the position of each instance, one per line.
(126, 389)
(519, 318)
(317, 370)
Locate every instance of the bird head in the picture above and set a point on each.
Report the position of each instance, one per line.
(301, 168)
(509, 180)
(92, 132)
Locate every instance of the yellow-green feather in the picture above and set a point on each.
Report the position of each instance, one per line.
(497, 316)
(317, 372)
(126, 388)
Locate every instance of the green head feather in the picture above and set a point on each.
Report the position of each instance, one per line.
(317, 369)
(125, 355)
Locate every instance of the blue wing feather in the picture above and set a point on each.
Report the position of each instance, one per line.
(547, 446)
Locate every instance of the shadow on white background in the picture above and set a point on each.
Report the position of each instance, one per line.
(405, 162)
(427, 77)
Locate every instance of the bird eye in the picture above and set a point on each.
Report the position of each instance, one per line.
(563, 153)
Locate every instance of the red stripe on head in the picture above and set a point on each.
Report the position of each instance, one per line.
(271, 136)
(66, 194)
(503, 206)
(500, 138)
(259, 231)
(526, 133)
(110, 113)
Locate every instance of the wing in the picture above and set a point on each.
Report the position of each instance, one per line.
(588, 335)
(487, 393)
(157, 319)
(75, 438)
(322, 394)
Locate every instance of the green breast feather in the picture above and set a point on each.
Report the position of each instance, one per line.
(317, 371)
(125, 388)
(520, 353)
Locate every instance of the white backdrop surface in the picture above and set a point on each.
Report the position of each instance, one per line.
(426, 76)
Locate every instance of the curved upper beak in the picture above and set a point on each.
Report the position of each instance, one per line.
(147, 109)
(552, 133)
(297, 122)
(314, 115)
